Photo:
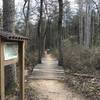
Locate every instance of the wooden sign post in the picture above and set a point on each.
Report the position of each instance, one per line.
(11, 52)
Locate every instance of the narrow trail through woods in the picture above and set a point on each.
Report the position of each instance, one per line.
(48, 83)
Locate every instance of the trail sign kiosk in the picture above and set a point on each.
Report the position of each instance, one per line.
(11, 52)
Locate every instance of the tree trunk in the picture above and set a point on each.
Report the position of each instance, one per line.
(92, 27)
(39, 33)
(60, 32)
(87, 33)
(9, 15)
(1, 20)
(81, 23)
(99, 18)
(26, 15)
(9, 26)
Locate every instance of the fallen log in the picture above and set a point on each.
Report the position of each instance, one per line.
(83, 75)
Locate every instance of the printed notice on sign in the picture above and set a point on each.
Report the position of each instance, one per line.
(10, 50)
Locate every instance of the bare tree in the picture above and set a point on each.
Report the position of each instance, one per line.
(87, 32)
(60, 32)
(39, 32)
(9, 15)
(26, 15)
(81, 34)
(1, 19)
(9, 26)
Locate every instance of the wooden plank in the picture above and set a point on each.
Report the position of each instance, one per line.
(21, 65)
(2, 86)
(12, 61)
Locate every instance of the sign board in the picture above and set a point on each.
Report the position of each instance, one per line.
(10, 50)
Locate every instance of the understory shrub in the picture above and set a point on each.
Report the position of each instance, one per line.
(54, 52)
(81, 59)
(31, 58)
(88, 87)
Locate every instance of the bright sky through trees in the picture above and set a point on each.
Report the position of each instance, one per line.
(20, 3)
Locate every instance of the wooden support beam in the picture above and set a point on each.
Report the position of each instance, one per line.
(2, 82)
(21, 66)
(12, 61)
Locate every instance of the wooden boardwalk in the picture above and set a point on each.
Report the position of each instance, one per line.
(47, 82)
(48, 70)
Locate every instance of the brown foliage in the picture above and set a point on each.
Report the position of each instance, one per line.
(82, 60)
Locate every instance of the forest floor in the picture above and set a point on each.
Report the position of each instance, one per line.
(47, 82)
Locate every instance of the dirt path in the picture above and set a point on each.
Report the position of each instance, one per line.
(47, 82)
